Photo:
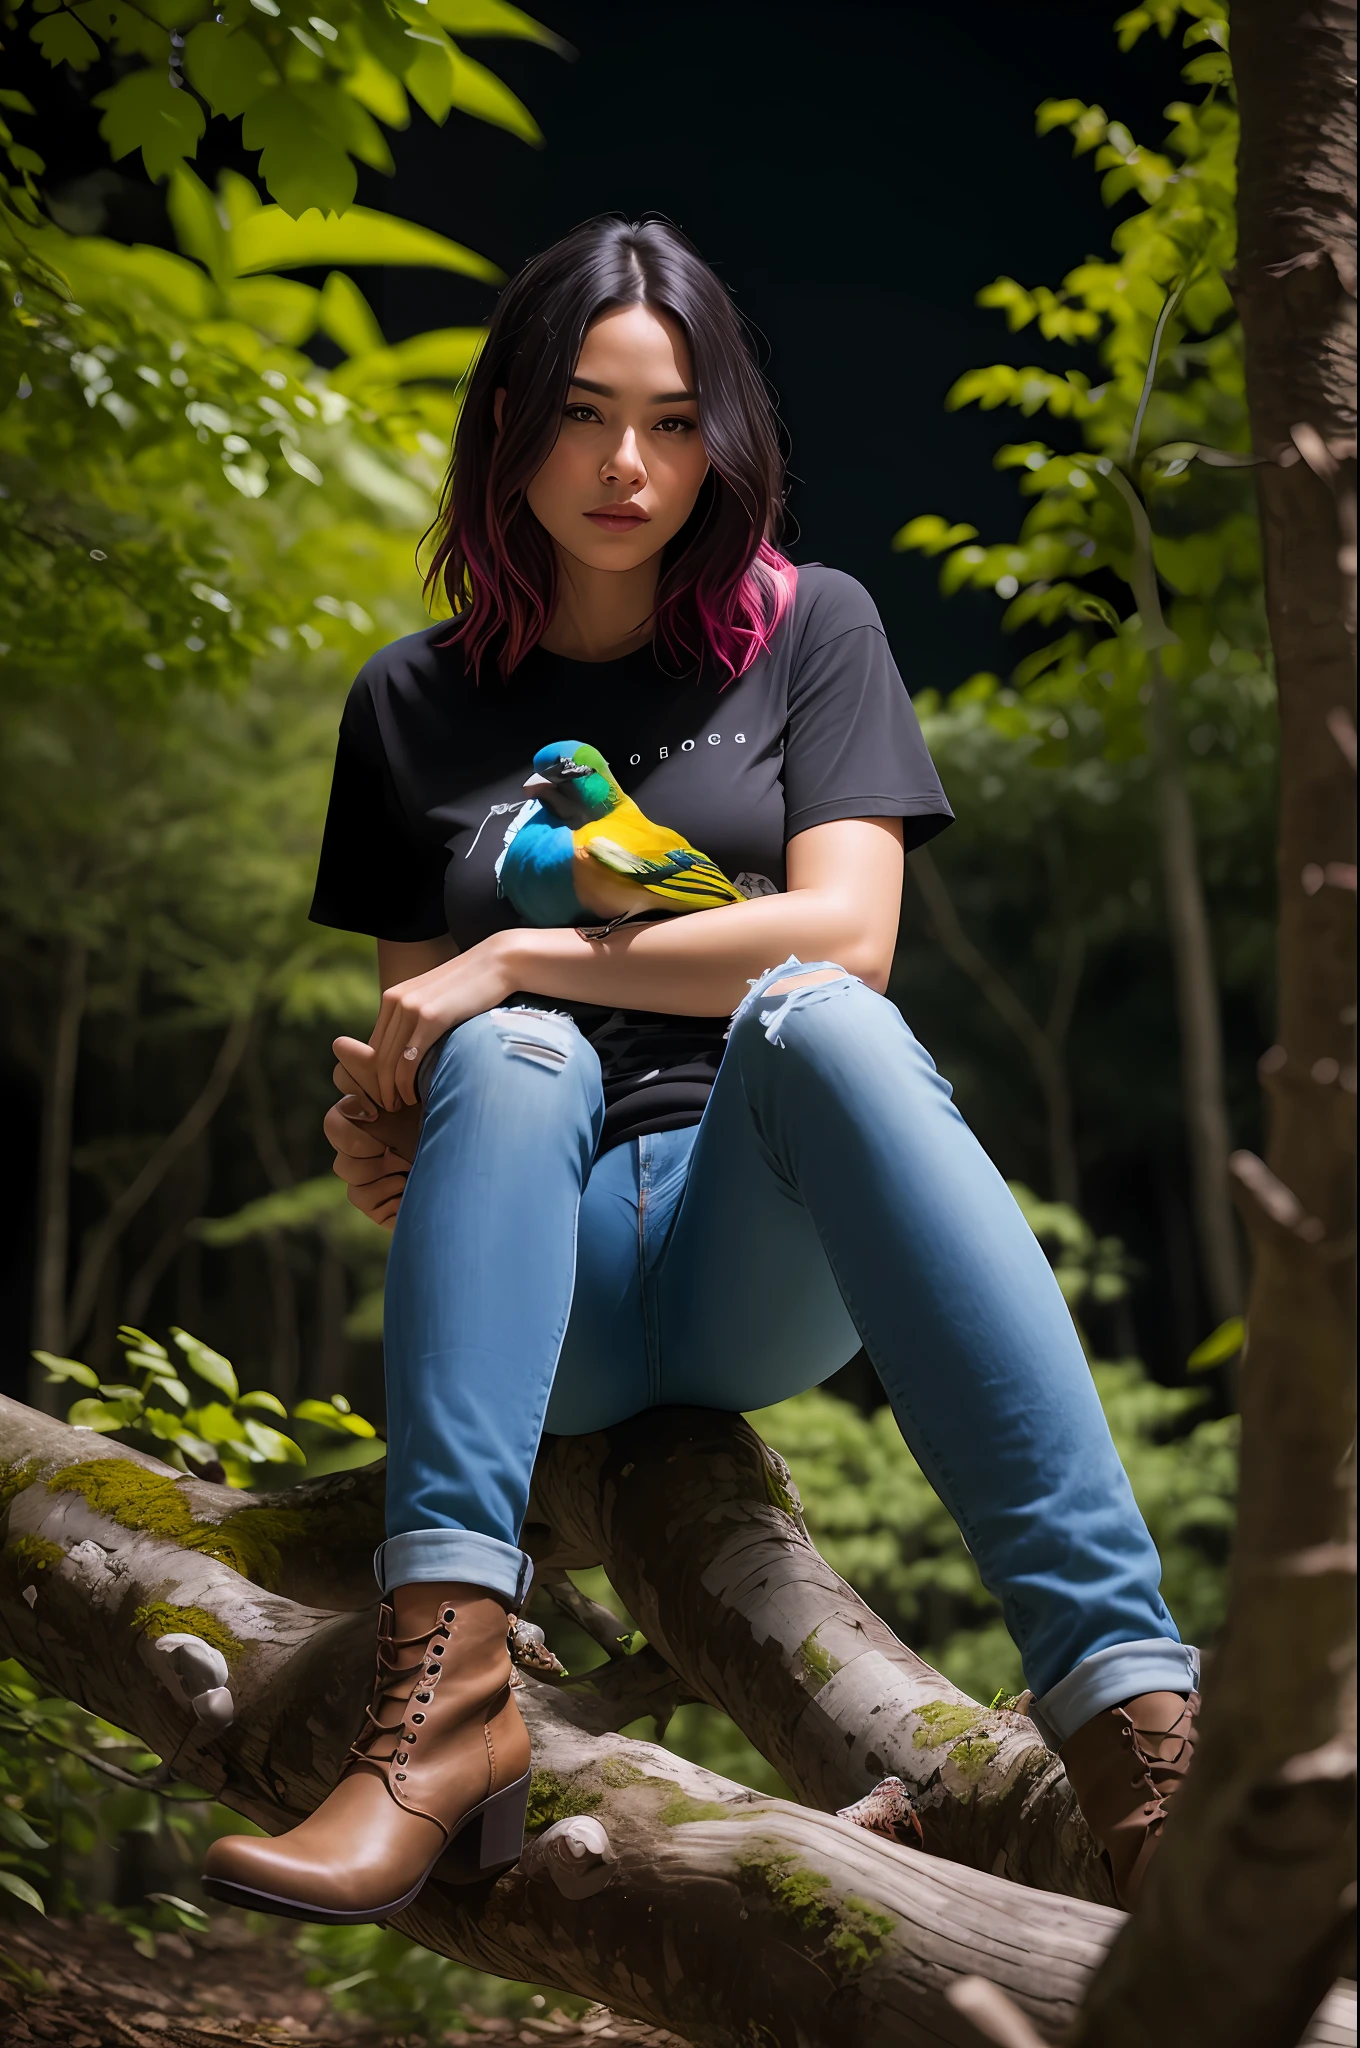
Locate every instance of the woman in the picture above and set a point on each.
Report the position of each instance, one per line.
(618, 1198)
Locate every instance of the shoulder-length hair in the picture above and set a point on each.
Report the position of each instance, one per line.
(723, 586)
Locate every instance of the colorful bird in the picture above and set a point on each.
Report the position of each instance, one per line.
(582, 849)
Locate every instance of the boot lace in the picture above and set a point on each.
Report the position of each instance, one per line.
(1160, 1767)
(405, 1680)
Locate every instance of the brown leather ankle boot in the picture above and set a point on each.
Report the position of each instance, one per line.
(1124, 1765)
(442, 1764)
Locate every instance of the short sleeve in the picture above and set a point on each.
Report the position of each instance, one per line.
(373, 875)
(853, 746)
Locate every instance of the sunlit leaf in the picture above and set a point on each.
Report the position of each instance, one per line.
(330, 1417)
(59, 1369)
(260, 1399)
(270, 240)
(273, 1444)
(144, 111)
(105, 1415)
(21, 1889)
(1219, 1346)
(208, 1364)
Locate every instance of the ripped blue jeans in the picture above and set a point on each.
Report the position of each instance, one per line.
(831, 1196)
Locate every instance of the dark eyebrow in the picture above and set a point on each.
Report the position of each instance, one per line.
(608, 391)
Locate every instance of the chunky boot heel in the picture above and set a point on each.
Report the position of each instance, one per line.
(437, 1778)
(490, 1840)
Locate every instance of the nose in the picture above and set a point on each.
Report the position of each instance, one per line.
(625, 466)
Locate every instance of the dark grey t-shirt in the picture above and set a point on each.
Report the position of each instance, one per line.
(431, 764)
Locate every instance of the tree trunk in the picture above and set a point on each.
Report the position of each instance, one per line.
(1198, 1019)
(733, 1918)
(54, 1156)
(1246, 1915)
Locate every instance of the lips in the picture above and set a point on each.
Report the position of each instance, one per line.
(618, 518)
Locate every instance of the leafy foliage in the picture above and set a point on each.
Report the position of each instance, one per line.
(1128, 505)
(223, 1438)
(312, 93)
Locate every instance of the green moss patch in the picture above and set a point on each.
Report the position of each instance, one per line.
(818, 1664)
(780, 1490)
(27, 1556)
(942, 1723)
(552, 1798)
(847, 1934)
(250, 1540)
(618, 1772)
(15, 1478)
(129, 1495)
(680, 1808)
(971, 1757)
(158, 1618)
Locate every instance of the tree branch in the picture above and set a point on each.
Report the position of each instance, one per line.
(727, 1916)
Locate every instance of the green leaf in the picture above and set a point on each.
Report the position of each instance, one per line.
(303, 165)
(104, 1415)
(16, 102)
(931, 535)
(209, 1365)
(14, 1828)
(132, 1338)
(198, 230)
(347, 317)
(59, 1369)
(495, 18)
(442, 76)
(62, 40)
(1219, 1346)
(273, 1444)
(271, 240)
(215, 1421)
(445, 353)
(330, 1417)
(278, 306)
(269, 1402)
(144, 111)
(21, 1889)
(228, 66)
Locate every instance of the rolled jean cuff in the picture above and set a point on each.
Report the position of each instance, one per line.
(453, 1556)
(1110, 1677)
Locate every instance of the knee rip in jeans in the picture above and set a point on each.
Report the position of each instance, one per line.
(793, 992)
(544, 1037)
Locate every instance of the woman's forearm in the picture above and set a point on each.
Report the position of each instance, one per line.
(699, 965)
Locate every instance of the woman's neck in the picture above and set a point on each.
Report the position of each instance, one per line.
(601, 613)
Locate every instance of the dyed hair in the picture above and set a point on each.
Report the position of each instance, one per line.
(723, 586)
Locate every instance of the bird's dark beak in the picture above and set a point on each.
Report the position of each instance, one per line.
(535, 784)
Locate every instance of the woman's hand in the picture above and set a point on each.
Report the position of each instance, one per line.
(417, 1012)
(375, 1173)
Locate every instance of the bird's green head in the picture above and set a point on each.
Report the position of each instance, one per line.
(573, 780)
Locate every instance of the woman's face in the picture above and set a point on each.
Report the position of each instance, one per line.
(628, 461)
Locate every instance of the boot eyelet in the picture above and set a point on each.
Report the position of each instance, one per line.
(400, 1776)
(418, 1719)
(423, 1697)
(449, 1614)
(402, 1758)
(437, 1650)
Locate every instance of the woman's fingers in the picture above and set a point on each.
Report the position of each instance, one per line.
(352, 1134)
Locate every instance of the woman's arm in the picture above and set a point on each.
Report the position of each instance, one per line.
(842, 903)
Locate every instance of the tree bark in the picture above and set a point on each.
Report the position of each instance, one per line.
(54, 1155)
(734, 1918)
(1246, 1915)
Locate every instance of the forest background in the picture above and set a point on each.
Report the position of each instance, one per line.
(214, 487)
